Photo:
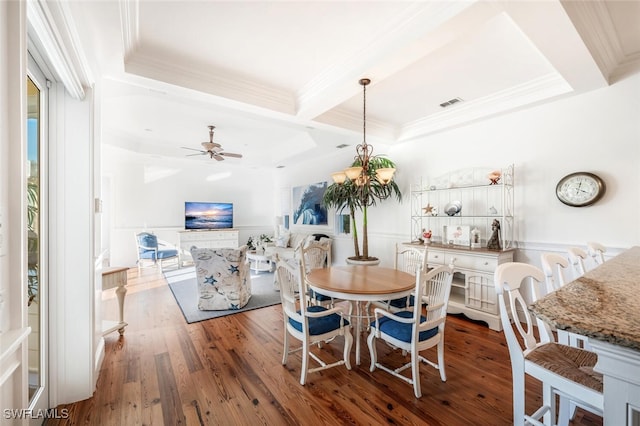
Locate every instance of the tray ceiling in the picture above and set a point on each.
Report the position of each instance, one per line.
(279, 80)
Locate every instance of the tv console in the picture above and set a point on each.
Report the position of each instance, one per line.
(219, 238)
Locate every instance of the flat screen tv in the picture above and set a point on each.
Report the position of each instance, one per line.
(208, 215)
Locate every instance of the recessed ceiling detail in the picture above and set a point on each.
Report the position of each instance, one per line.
(284, 85)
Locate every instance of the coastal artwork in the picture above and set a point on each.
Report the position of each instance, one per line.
(307, 204)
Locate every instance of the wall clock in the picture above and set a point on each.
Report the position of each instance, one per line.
(580, 189)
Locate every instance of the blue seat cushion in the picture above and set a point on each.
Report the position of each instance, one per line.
(402, 331)
(162, 254)
(319, 296)
(319, 325)
(402, 302)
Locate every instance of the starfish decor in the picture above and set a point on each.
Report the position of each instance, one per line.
(428, 209)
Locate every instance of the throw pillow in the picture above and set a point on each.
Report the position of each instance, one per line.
(283, 240)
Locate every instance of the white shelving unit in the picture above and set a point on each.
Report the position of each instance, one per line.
(481, 204)
(473, 291)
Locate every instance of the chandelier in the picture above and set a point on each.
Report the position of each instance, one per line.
(359, 173)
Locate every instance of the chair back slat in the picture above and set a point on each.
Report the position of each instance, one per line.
(434, 289)
(315, 255)
(509, 278)
(596, 251)
(292, 296)
(554, 267)
(409, 259)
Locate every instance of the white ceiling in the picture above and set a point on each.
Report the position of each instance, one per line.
(279, 80)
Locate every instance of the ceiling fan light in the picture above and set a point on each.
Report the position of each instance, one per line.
(208, 145)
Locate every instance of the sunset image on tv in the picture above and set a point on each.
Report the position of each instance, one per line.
(208, 215)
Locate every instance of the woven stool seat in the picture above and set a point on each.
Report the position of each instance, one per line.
(573, 363)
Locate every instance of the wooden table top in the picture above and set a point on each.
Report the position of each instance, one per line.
(365, 281)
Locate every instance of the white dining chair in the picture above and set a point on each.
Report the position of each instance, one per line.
(412, 332)
(309, 324)
(564, 371)
(314, 255)
(409, 260)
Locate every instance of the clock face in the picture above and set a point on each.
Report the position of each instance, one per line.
(580, 189)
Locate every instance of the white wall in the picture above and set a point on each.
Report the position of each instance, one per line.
(149, 193)
(598, 132)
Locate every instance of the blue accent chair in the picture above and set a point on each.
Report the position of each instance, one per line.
(149, 251)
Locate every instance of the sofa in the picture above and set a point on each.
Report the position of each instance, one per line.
(285, 245)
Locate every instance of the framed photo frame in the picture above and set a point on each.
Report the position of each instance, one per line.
(457, 235)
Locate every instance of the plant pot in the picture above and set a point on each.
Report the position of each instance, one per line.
(371, 261)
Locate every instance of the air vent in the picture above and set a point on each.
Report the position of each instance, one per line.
(450, 102)
(342, 145)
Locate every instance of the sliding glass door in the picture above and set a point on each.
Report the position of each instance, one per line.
(36, 232)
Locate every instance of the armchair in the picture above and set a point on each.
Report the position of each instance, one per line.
(149, 250)
(223, 277)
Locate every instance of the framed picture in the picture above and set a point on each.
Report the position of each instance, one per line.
(307, 204)
(457, 235)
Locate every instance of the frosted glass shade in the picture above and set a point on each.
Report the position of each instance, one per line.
(385, 175)
(339, 177)
(353, 172)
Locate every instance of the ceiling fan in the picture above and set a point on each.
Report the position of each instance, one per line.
(213, 149)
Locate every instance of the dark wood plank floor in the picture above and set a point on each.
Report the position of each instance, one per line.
(228, 371)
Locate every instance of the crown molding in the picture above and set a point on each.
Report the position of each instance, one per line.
(594, 24)
(214, 82)
(536, 90)
(53, 31)
(129, 25)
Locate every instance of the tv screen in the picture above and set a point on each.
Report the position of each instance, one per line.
(208, 215)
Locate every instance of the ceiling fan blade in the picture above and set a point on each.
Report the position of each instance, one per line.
(217, 157)
(192, 149)
(230, 154)
(193, 155)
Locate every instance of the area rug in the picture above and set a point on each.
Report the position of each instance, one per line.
(182, 283)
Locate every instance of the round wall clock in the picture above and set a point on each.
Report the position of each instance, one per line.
(580, 189)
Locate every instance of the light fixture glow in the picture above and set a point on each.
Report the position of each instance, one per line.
(360, 174)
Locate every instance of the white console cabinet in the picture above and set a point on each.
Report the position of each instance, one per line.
(473, 291)
(224, 238)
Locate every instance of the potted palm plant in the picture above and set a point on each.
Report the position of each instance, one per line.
(354, 195)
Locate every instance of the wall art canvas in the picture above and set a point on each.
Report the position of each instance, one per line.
(307, 204)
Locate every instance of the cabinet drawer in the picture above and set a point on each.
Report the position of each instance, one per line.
(435, 257)
(474, 263)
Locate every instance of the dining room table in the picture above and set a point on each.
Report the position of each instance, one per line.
(359, 284)
(604, 306)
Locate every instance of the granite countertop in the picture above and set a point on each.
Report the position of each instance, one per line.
(603, 304)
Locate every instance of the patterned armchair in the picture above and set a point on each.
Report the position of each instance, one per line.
(224, 281)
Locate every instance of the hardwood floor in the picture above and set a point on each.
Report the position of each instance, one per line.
(228, 371)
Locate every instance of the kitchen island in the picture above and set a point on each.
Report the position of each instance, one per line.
(604, 305)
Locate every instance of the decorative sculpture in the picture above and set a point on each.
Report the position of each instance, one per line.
(494, 177)
(494, 241)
